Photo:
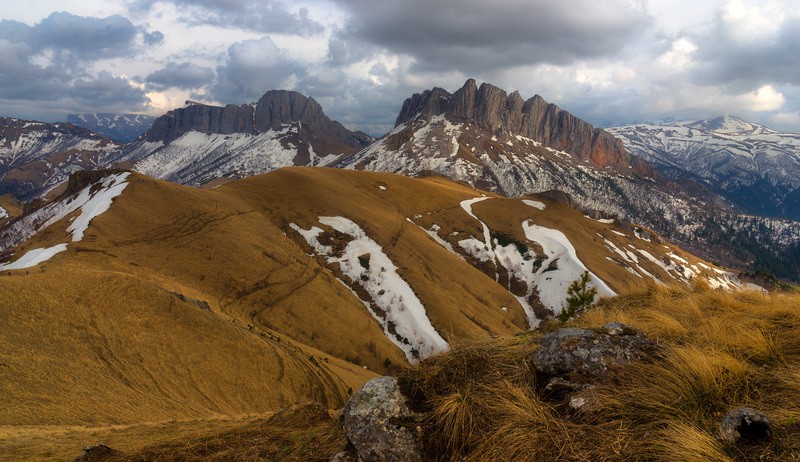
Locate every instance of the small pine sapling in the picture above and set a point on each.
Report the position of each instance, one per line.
(580, 297)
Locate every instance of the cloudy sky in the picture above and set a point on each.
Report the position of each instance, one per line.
(614, 61)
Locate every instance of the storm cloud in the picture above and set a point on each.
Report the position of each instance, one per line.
(50, 62)
(267, 16)
(724, 57)
(251, 68)
(609, 62)
(474, 35)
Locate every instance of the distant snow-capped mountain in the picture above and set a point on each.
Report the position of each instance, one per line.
(373, 130)
(755, 167)
(123, 128)
(36, 156)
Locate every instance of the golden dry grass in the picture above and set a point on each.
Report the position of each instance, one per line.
(182, 303)
(720, 351)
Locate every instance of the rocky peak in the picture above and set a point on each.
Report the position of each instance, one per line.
(492, 109)
(272, 111)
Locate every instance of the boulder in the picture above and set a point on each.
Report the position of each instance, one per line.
(380, 425)
(745, 424)
(588, 353)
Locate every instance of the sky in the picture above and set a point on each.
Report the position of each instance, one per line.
(610, 62)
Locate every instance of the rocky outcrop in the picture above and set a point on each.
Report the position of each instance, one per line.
(570, 361)
(573, 351)
(745, 424)
(492, 109)
(275, 109)
(380, 425)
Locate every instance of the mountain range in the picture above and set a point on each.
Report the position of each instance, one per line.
(37, 157)
(485, 137)
(753, 166)
(500, 143)
(170, 281)
(122, 128)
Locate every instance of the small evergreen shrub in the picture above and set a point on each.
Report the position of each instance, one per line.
(580, 297)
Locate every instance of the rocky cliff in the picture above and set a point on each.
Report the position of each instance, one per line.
(274, 110)
(492, 109)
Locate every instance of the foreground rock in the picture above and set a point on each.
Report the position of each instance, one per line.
(571, 351)
(570, 360)
(746, 424)
(380, 425)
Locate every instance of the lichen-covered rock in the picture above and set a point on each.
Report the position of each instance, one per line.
(572, 351)
(380, 425)
(746, 424)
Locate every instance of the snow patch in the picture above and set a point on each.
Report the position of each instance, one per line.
(534, 204)
(365, 263)
(554, 282)
(34, 257)
(91, 205)
(607, 221)
(95, 205)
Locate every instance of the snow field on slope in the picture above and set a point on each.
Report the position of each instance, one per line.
(253, 154)
(91, 205)
(3, 212)
(534, 204)
(553, 283)
(33, 257)
(379, 278)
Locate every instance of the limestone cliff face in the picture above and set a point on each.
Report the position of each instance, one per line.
(275, 109)
(498, 112)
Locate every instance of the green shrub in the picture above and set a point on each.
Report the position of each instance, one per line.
(580, 297)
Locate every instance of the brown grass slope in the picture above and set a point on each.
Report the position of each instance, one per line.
(183, 303)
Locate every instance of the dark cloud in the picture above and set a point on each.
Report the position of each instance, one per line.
(47, 65)
(251, 68)
(745, 65)
(184, 75)
(268, 16)
(107, 90)
(83, 37)
(343, 51)
(476, 35)
(375, 98)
